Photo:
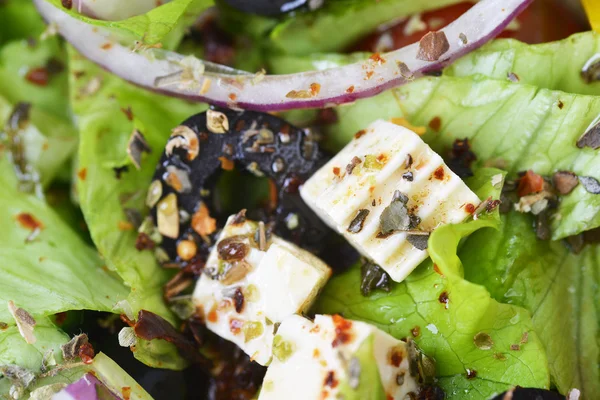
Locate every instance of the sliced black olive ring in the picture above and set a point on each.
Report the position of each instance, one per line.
(181, 193)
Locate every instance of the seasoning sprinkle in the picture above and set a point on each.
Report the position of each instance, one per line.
(353, 163)
(357, 223)
(418, 241)
(564, 181)
(591, 137)
(432, 46)
(483, 341)
(216, 122)
(590, 184)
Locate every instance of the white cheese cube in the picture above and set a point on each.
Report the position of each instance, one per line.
(388, 158)
(332, 357)
(249, 297)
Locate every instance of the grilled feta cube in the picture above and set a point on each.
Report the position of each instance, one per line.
(384, 192)
(251, 282)
(333, 358)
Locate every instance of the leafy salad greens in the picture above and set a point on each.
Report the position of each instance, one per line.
(508, 297)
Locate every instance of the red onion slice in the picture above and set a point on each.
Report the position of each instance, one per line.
(88, 387)
(161, 71)
(114, 10)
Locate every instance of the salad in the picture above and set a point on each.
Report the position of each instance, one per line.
(308, 199)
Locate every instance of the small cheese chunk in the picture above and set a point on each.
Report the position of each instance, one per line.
(353, 189)
(332, 357)
(245, 291)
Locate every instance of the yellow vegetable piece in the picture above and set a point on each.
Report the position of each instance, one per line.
(592, 9)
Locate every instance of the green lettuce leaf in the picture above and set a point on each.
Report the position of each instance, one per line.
(555, 65)
(471, 338)
(523, 126)
(559, 288)
(149, 28)
(52, 272)
(339, 24)
(20, 56)
(50, 139)
(105, 130)
(15, 351)
(18, 20)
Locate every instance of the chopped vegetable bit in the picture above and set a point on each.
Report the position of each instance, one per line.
(530, 183)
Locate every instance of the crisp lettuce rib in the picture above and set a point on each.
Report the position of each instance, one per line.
(448, 334)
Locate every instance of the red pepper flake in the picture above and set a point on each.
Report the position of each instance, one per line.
(28, 221)
(342, 330)
(226, 163)
(67, 4)
(395, 357)
(60, 318)
(330, 379)
(126, 392)
(471, 374)
(235, 325)
(359, 133)
(439, 173)
(212, 316)
(368, 75)
(444, 299)
(336, 171)
(232, 96)
(315, 88)
(106, 46)
(82, 173)
(470, 208)
(437, 269)
(377, 58)
(530, 183)
(86, 353)
(350, 89)
(202, 223)
(326, 116)
(273, 195)
(416, 331)
(292, 184)
(128, 112)
(143, 242)
(124, 226)
(435, 124)
(38, 76)
(432, 46)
